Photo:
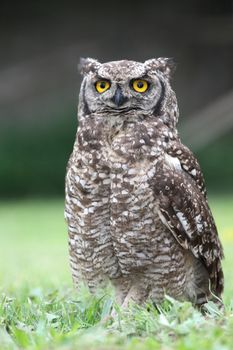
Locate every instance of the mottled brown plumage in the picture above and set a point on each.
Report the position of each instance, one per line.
(136, 203)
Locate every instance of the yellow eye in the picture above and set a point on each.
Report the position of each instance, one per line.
(140, 85)
(102, 85)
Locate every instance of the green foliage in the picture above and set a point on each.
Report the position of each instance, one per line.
(61, 319)
(40, 310)
(33, 158)
(217, 165)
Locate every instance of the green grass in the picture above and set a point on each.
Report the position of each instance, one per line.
(40, 310)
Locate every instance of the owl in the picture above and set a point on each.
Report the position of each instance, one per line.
(136, 203)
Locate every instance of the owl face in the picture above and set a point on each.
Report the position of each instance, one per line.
(124, 86)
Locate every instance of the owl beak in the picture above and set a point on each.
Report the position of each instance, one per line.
(119, 99)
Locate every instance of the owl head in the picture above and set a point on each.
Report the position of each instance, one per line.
(128, 87)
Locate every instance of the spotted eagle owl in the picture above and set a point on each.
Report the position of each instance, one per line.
(136, 202)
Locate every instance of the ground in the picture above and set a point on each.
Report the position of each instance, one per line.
(40, 310)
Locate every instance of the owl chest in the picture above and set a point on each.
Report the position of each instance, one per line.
(133, 217)
(117, 216)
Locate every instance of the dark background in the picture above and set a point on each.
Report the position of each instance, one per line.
(41, 43)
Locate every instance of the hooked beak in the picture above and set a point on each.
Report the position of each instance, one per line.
(119, 99)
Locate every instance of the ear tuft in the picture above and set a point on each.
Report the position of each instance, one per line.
(87, 65)
(165, 65)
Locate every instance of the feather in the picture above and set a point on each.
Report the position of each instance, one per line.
(184, 209)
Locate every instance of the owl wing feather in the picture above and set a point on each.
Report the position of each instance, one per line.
(183, 208)
(188, 163)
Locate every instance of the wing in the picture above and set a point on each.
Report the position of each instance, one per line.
(188, 163)
(183, 208)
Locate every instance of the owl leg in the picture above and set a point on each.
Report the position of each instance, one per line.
(138, 293)
(122, 286)
(76, 274)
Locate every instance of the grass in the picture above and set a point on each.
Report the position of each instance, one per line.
(40, 310)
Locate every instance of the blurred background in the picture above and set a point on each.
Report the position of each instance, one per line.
(41, 43)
